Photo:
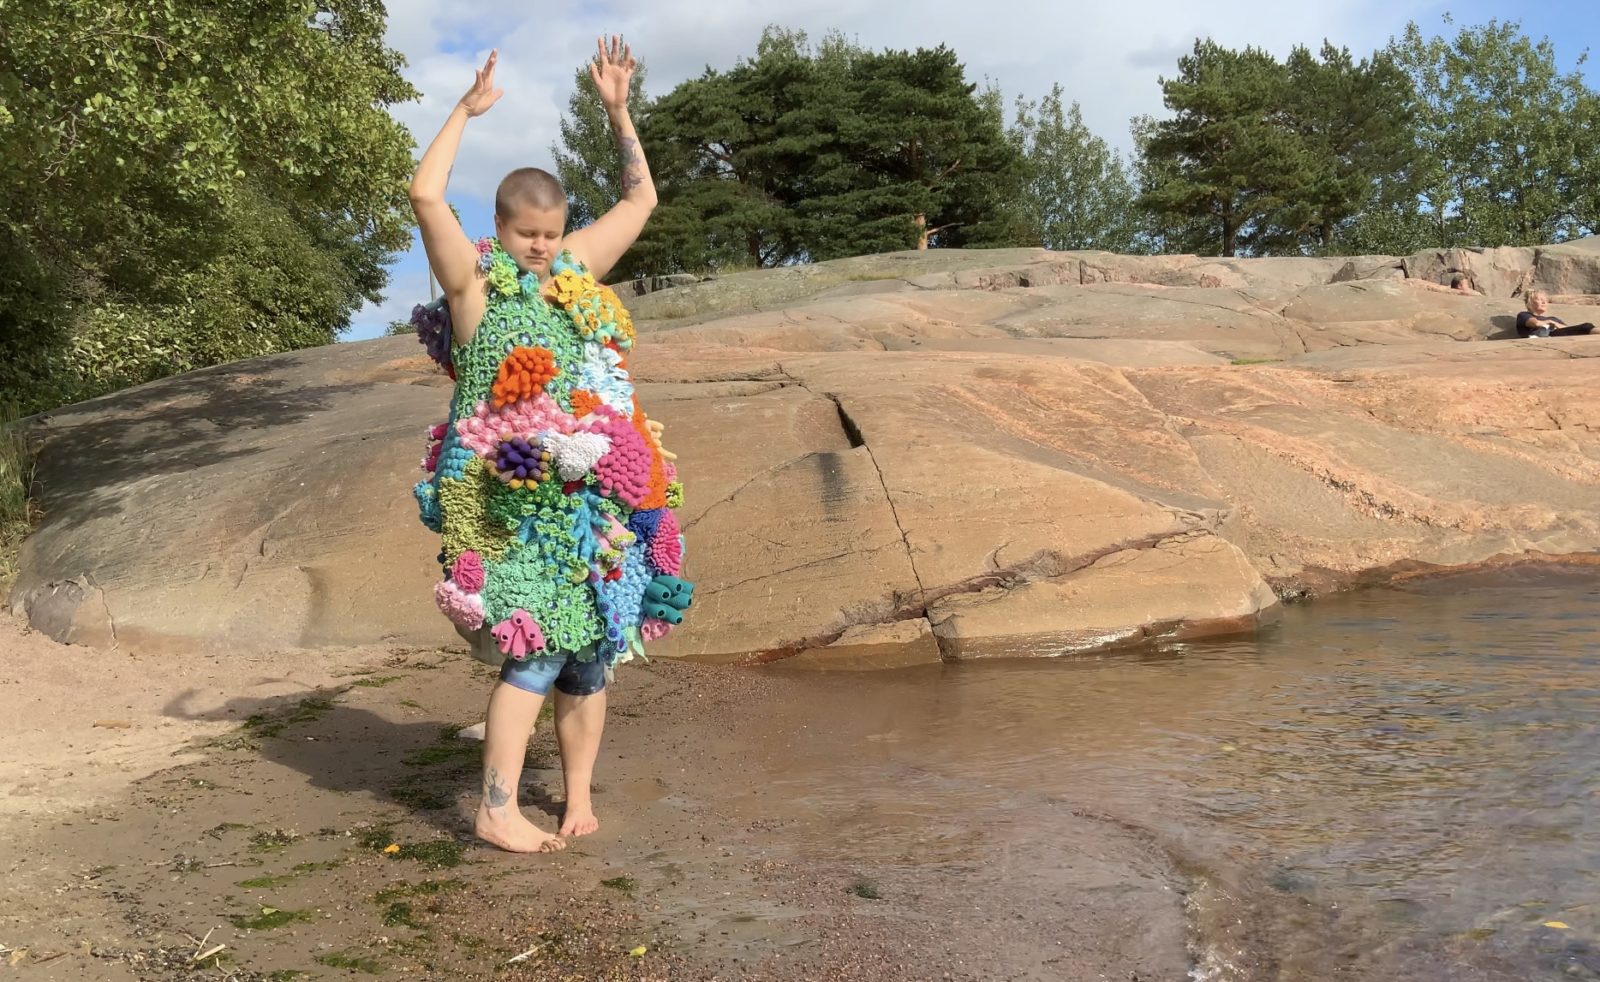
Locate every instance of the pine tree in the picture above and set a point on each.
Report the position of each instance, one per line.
(808, 152)
(1356, 121)
(1227, 161)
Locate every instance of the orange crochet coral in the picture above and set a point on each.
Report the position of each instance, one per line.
(523, 375)
(657, 498)
(584, 402)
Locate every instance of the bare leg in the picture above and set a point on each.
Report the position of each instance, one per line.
(499, 821)
(580, 721)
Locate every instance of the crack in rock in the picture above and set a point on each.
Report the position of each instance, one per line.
(808, 564)
(853, 430)
(1043, 565)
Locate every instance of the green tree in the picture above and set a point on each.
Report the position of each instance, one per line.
(185, 184)
(1159, 231)
(1228, 160)
(807, 152)
(1356, 124)
(1259, 157)
(1583, 191)
(716, 151)
(1076, 193)
(921, 134)
(1509, 138)
(586, 156)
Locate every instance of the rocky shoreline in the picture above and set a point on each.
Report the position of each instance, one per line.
(944, 455)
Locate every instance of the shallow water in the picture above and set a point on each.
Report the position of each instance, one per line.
(1399, 783)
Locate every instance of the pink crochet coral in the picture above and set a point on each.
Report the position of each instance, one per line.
(468, 572)
(653, 630)
(624, 471)
(485, 428)
(518, 635)
(464, 609)
(666, 548)
(436, 432)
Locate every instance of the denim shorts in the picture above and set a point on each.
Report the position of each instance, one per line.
(564, 671)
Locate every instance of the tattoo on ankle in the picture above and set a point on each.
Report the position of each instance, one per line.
(494, 790)
(632, 163)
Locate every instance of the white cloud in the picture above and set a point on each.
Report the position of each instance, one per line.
(1106, 56)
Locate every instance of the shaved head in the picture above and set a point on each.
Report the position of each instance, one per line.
(528, 187)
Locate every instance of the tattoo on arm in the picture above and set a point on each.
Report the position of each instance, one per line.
(632, 163)
(494, 790)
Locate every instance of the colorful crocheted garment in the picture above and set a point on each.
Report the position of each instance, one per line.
(548, 489)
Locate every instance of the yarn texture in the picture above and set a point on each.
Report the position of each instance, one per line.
(551, 495)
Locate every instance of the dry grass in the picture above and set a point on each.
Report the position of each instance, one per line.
(17, 510)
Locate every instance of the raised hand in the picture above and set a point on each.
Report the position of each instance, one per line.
(612, 70)
(483, 94)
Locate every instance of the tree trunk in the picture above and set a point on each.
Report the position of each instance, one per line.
(921, 222)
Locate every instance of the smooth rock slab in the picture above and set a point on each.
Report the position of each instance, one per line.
(887, 458)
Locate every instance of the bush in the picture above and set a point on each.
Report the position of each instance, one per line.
(16, 479)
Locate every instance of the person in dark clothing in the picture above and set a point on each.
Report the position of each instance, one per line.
(1537, 322)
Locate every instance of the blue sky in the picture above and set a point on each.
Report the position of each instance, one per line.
(1107, 57)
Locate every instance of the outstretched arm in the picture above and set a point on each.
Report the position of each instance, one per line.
(450, 252)
(601, 244)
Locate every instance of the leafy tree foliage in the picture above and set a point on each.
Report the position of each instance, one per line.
(1076, 192)
(185, 184)
(1513, 155)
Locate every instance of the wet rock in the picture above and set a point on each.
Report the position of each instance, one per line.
(900, 644)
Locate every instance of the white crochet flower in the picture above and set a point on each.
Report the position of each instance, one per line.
(576, 454)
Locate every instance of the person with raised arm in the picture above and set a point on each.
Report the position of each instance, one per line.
(549, 486)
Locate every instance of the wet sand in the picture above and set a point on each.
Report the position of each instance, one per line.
(728, 849)
(1393, 784)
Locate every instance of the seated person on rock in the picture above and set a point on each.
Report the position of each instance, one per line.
(1538, 322)
(1459, 283)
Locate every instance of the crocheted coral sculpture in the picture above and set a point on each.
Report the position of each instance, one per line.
(486, 427)
(523, 375)
(584, 402)
(468, 572)
(518, 636)
(624, 472)
(520, 462)
(645, 521)
(428, 509)
(548, 486)
(432, 324)
(666, 546)
(464, 608)
(578, 453)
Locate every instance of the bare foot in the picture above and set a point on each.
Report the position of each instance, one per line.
(513, 833)
(579, 819)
